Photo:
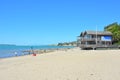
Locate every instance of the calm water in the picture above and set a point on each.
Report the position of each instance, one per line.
(9, 51)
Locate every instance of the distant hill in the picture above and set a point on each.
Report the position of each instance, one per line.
(73, 43)
(7, 45)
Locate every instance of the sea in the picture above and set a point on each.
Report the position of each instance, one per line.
(7, 51)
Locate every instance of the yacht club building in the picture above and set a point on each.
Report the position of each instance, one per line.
(94, 39)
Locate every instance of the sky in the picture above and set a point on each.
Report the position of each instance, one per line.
(42, 22)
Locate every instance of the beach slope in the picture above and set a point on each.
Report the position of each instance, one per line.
(73, 64)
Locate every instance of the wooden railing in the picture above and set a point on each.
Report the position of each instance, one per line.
(93, 45)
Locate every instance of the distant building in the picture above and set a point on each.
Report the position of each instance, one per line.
(94, 39)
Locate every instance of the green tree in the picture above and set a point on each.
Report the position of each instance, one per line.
(114, 28)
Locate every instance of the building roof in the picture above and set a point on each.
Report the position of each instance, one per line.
(99, 32)
(94, 33)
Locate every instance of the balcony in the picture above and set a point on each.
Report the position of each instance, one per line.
(89, 39)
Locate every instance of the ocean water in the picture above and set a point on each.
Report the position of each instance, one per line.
(9, 51)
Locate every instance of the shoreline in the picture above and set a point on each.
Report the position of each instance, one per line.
(37, 51)
(44, 51)
(47, 51)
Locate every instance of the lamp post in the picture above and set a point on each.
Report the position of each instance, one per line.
(96, 36)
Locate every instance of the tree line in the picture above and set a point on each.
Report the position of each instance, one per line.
(67, 43)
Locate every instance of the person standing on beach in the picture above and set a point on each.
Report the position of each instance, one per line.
(15, 53)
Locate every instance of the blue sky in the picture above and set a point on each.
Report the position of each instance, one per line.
(41, 22)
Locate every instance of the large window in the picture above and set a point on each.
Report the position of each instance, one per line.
(91, 42)
(87, 36)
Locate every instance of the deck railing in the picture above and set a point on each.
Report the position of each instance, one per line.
(93, 45)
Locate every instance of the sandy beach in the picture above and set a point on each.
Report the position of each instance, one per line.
(73, 64)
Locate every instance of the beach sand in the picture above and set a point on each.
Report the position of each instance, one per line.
(73, 64)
